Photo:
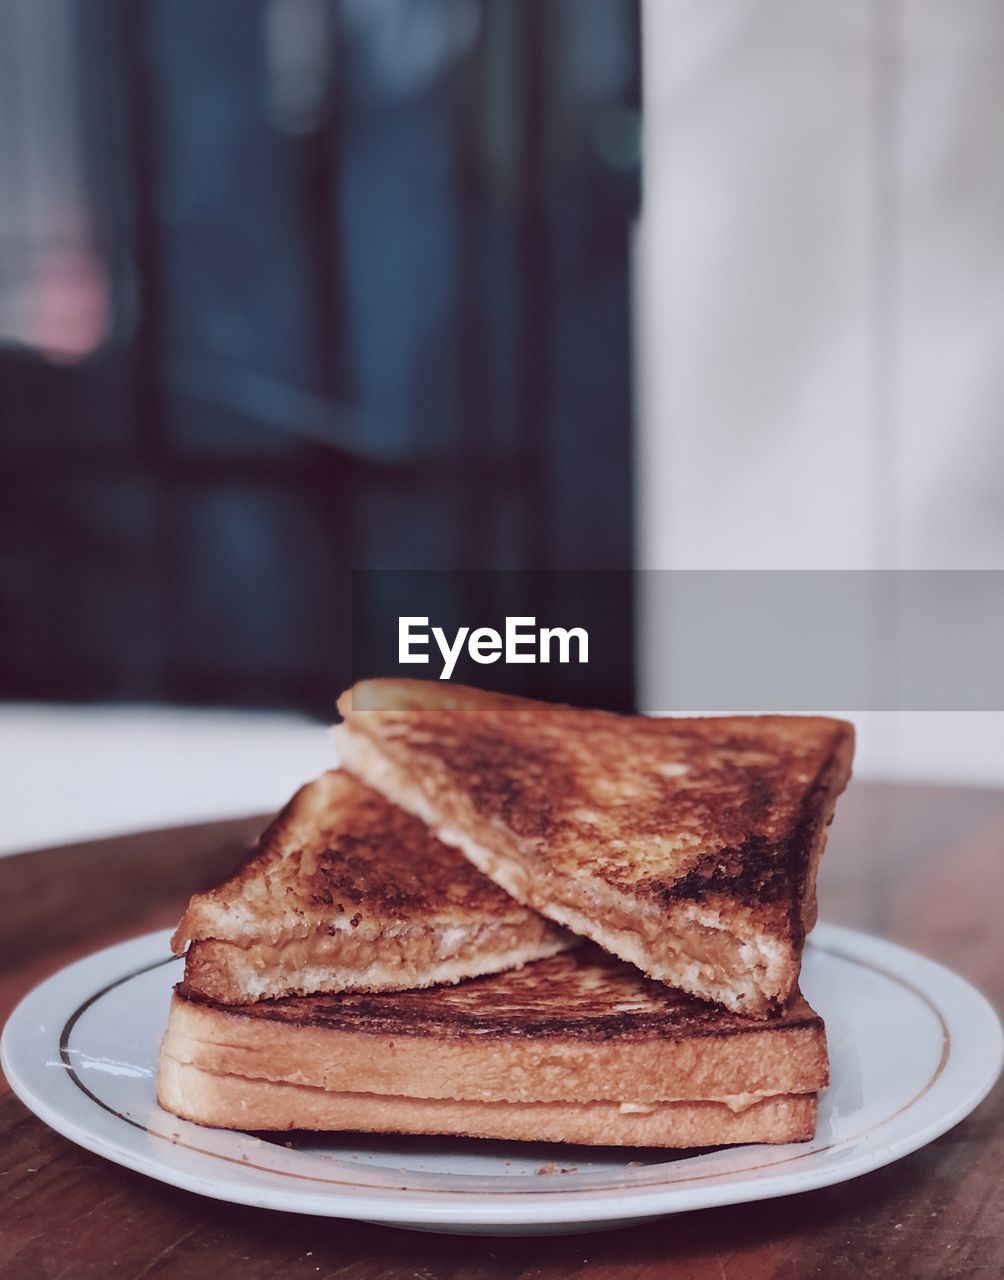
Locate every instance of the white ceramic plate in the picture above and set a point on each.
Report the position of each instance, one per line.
(913, 1050)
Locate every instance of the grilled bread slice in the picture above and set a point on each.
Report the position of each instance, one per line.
(688, 847)
(346, 891)
(230, 1102)
(576, 1048)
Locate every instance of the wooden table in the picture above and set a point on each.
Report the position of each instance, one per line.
(921, 865)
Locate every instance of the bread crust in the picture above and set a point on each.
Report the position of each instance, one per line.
(231, 974)
(687, 846)
(232, 1102)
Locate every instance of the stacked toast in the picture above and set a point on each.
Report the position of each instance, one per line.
(506, 919)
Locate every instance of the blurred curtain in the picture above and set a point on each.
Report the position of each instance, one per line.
(356, 295)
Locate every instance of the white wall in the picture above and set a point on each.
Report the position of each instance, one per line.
(80, 773)
(820, 295)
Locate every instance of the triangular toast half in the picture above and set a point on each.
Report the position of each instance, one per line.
(577, 1048)
(687, 846)
(348, 892)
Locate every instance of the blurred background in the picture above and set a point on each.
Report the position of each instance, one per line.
(291, 287)
(294, 287)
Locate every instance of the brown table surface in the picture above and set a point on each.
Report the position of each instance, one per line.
(921, 865)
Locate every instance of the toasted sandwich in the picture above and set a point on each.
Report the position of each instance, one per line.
(578, 1048)
(346, 891)
(688, 847)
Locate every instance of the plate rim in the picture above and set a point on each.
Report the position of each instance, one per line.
(558, 1207)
